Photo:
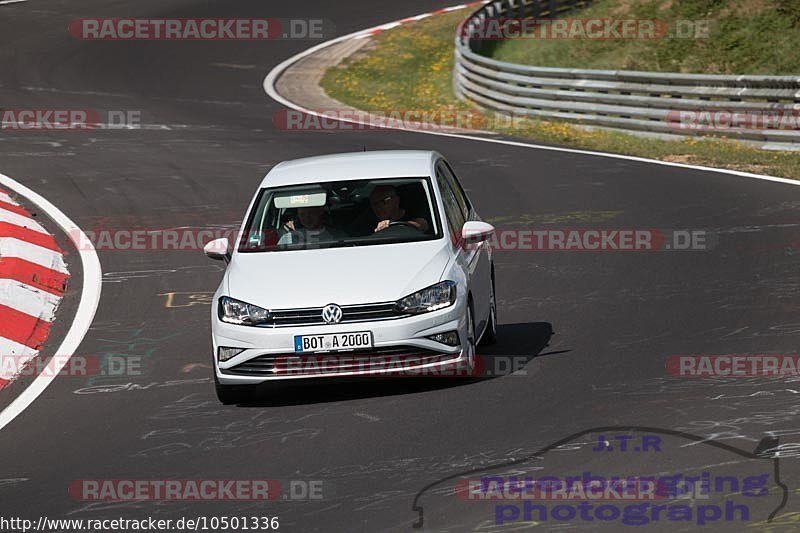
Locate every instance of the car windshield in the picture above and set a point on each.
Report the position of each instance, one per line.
(341, 213)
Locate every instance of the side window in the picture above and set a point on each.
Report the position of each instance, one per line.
(452, 209)
(461, 196)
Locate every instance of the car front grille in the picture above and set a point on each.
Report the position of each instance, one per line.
(392, 358)
(312, 316)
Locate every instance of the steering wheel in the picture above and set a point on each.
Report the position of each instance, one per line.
(402, 223)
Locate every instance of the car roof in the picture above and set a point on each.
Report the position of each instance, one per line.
(351, 166)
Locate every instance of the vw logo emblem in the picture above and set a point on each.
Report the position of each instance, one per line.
(332, 314)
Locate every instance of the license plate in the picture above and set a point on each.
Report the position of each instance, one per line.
(332, 342)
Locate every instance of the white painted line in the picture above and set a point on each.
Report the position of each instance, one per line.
(4, 2)
(11, 247)
(275, 73)
(87, 307)
(20, 220)
(29, 300)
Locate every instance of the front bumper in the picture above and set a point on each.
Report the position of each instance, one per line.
(401, 343)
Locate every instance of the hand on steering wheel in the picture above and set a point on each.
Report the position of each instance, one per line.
(383, 224)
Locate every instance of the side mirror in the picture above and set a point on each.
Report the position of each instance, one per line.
(218, 249)
(475, 232)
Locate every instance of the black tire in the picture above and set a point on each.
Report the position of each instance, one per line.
(233, 394)
(490, 334)
(471, 362)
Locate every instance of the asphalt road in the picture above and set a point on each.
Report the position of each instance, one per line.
(208, 141)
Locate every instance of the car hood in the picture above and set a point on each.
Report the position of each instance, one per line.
(351, 275)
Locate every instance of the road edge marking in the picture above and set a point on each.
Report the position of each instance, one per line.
(87, 306)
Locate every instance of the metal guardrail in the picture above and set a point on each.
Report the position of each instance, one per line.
(656, 102)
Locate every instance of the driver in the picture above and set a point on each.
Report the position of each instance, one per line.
(311, 228)
(385, 204)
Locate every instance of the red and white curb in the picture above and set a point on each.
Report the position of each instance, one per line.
(388, 26)
(46, 276)
(33, 278)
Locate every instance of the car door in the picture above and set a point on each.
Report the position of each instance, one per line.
(476, 260)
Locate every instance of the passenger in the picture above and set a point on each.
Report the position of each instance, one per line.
(312, 229)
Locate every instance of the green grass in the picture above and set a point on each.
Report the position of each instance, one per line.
(410, 68)
(745, 37)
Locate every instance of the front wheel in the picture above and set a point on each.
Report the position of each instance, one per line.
(233, 394)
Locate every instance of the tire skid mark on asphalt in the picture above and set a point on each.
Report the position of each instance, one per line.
(366, 416)
(12, 481)
(192, 423)
(33, 278)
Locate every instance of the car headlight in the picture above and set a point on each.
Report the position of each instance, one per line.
(245, 314)
(438, 296)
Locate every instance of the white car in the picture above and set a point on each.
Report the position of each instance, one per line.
(368, 263)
